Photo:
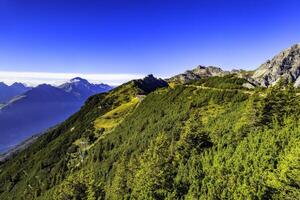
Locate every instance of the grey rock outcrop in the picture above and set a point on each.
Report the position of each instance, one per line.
(197, 73)
(285, 65)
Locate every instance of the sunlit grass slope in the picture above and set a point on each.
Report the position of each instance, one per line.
(112, 118)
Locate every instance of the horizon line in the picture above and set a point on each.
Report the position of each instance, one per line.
(57, 78)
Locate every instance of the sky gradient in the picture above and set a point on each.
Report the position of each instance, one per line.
(135, 38)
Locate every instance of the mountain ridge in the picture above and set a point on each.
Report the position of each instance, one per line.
(8, 92)
(283, 66)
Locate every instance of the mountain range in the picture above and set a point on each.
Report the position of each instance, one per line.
(42, 107)
(285, 66)
(8, 92)
(203, 134)
(82, 89)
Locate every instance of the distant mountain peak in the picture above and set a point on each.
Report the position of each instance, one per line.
(78, 80)
(198, 72)
(82, 88)
(44, 85)
(18, 85)
(2, 84)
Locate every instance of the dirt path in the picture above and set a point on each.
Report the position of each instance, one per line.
(219, 89)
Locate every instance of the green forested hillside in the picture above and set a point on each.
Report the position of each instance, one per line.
(210, 139)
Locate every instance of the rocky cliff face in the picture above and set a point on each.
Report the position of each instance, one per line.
(285, 65)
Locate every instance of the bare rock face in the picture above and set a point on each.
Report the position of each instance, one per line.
(197, 73)
(209, 71)
(248, 85)
(297, 82)
(285, 65)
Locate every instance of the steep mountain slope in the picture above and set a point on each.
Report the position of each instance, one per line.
(63, 138)
(8, 92)
(209, 138)
(285, 65)
(41, 108)
(203, 140)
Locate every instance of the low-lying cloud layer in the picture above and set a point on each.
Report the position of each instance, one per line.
(36, 78)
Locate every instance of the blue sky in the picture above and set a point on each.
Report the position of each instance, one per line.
(138, 37)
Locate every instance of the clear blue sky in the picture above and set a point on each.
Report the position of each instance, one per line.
(163, 37)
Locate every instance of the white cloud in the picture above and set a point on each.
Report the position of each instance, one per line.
(35, 78)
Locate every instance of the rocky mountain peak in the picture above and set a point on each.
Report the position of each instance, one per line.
(284, 65)
(150, 83)
(198, 73)
(208, 71)
(149, 77)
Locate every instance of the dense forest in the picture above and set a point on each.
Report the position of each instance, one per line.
(207, 139)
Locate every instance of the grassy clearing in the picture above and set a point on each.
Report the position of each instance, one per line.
(115, 116)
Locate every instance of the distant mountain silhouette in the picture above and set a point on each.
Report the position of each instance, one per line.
(8, 92)
(41, 108)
